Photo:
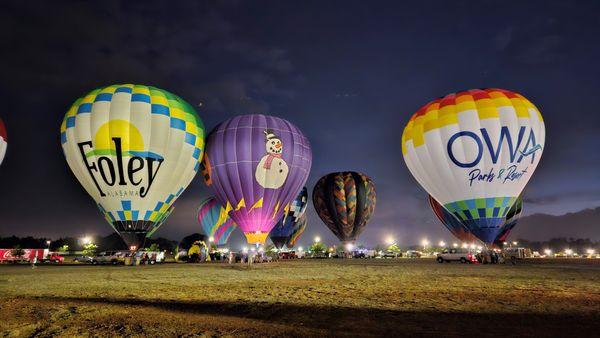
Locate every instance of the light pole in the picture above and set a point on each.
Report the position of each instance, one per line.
(317, 239)
(442, 244)
(425, 243)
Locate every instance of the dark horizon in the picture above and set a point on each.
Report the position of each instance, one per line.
(347, 74)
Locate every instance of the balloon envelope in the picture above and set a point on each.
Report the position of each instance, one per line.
(345, 201)
(3, 141)
(512, 218)
(255, 165)
(214, 221)
(290, 222)
(298, 231)
(134, 149)
(453, 224)
(474, 152)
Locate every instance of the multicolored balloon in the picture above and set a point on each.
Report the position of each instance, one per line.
(345, 201)
(255, 165)
(453, 224)
(214, 221)
(290, 222)
(474, 152)
(297, 233)
(3, 141)
(134, 149)
(512, 218)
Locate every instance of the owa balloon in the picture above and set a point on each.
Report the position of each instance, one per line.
(474, 152)
(255, 165)
(512, 218)
(214, 221)
(290, 222)
(345, 202)
(134, 149)
(3, 141)
(453, 224)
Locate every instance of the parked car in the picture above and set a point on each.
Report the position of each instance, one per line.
(390, 254)
(413, 254)
(456, 254)
(108, 257)
(53, 258)
(83, 259)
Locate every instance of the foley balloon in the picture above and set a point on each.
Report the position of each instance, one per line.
(3, 141)
(134, 149)
(298, 230)
(512, 218)
(453, 224)
(345, 202)
(214, 221)
(255, 165)
(290, 222)
(474, 152)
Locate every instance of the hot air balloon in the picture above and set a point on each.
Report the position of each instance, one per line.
(474, 152)
(345, 202)
(298, 230)
(290, 222)
(3, 141)
(453, 224)
(255, 165)
(214, 221)
(161, 221)
(512, 218)
(134, 149)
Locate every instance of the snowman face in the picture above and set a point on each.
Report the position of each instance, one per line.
(274, 146)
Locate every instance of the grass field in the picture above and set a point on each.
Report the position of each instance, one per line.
(304, 297)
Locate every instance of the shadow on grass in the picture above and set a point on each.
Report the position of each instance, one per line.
(368, 321)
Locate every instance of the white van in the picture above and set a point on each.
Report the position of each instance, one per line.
(456, 254)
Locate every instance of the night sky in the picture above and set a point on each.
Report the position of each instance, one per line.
(348, 73)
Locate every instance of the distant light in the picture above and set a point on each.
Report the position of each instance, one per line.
(473, 246)
(317, 239)
(48, 242)
(591, 251)
(455, 245)
(465, 245)
(300, 248)
(548, 252)
(86, 240)
(515, 243)
(479, 247)
(505, 243)
(245, 249)
(211, 239)
(349, 246)
(133, 248)
(425, 242)
(442, 244)
(569, 252)
(389, 240)
(225, 250)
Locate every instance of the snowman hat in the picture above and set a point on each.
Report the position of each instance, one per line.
(270, 134)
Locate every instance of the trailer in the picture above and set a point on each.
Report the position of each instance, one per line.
(42, 255)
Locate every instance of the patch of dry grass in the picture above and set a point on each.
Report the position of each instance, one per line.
(305, 297)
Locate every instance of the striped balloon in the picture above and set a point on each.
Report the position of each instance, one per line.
(298, 231)
(214, 221)
(289, 223)
(345, 202)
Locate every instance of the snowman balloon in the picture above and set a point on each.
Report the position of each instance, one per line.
(272, 171)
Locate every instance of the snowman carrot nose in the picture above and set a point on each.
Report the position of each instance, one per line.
(278, 145)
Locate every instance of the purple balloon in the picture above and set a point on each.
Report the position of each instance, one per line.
(256, 165)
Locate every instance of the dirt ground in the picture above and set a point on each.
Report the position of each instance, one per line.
(398, 297)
